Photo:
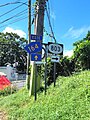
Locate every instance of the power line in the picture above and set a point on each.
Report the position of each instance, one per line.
(13, 3)
(16, 15)
(14, 21)
(10, 10)
(48, 16)
(18, 1)
(48, 8)
(51, 8)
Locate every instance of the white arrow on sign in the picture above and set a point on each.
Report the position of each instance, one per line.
(55, 58)
(55, 48)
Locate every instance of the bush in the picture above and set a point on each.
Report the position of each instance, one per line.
(65, 67)
(8, 90)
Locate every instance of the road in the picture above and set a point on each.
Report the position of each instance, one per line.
(19, 84)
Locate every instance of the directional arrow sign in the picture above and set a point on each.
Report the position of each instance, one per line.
(55, 58)
(33, 47)
(36, 57)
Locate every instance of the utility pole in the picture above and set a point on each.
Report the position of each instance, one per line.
(28, 56)
(39, 19)
(39, 24)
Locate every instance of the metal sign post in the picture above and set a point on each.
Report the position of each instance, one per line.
(35, 82)
(54, 74)
(56, 50)
(45, 69)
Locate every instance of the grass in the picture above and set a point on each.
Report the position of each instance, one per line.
(69, 100)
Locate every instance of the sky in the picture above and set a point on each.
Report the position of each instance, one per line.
(70, 20)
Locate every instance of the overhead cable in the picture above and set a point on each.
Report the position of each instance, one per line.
(16, 15)
(50, 25)
(14, 21)
(10, 10)
(13, 3)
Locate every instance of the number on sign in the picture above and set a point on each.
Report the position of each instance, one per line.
(55, 48)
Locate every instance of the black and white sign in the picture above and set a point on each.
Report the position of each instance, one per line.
(55, 58)
(55, 48)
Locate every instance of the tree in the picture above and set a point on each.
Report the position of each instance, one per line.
(82, 53)
(11, 50)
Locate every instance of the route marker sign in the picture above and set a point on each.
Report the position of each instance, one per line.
(36, 37)
(55, 48)
(33, 47)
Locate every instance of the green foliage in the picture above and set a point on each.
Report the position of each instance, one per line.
(64, 68)
(69, 100)
(82, 53)
(11, 49)
(8, 90)
(49, 71)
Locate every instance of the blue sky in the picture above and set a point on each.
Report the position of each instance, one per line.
(70, 20)
(73, 20)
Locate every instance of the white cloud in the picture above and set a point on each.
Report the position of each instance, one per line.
(68, 53)
(76, 33)
(19, 32)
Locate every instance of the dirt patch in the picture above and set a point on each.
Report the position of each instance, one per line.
(3, 115)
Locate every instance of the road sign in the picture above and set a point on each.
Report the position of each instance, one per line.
(33, 47)
(36, 57)
(55, 58)
(36, 37)
(55, 48)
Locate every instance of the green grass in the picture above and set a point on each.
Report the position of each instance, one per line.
(69, 100)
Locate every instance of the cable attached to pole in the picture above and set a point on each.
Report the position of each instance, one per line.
(50, 24)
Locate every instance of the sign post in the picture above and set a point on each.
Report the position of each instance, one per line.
(35, 91)
(55, 49)
(34, 49)
(45, 69)
(54, 74)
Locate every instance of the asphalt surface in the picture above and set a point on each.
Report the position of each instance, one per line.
(19, 84)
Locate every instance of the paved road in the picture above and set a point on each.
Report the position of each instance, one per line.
(19, 84)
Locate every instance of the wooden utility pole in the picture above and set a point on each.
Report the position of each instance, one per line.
(39, 24)
(28, 56)
(39, 18)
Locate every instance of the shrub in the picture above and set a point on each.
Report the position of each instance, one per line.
(8, 90)
(65, 67)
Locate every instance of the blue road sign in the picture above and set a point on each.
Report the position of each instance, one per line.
(36, 57)
(36, 37)
(33, 47)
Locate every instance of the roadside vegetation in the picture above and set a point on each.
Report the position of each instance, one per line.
(69, 100)
(8, 90)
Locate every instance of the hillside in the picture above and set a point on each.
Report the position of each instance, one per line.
(69, 100)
